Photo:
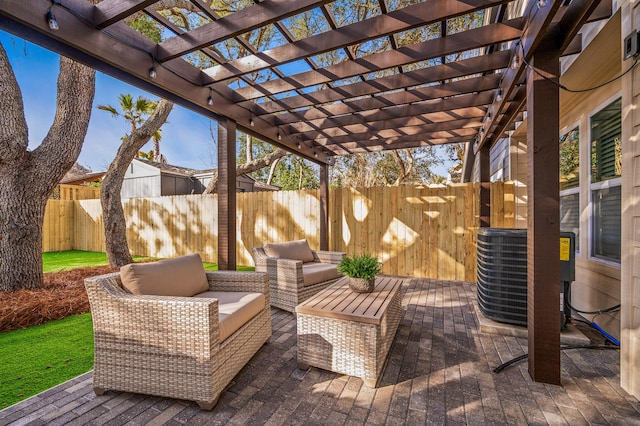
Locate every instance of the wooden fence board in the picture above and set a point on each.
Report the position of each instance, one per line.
(415, 231)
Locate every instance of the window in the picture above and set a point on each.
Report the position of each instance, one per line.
(606, 169)
(569, 183)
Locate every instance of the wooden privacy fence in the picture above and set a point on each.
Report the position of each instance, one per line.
(75, 192)
(416, 231)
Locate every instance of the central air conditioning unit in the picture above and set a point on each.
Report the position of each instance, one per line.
(502, 273)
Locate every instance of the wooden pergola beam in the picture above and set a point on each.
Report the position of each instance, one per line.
(316, 120)
(543, 212)
(390, 131)
(126, 54)
(111, 11)
(543, 24)
(397, 100)
(324, 207)
(235, 24)
(485, 187)
(464, 67)
(227, 195)
(430, 49)
(382, 25)
(400, 143)
(531, 37)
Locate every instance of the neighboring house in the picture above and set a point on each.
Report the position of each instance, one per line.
(152, 179)
(83, 179)
(75, 186)
(592, 145)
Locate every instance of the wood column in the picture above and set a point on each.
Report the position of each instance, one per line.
(485, 186)
(324, 207)
(226, 195)
(543, 222)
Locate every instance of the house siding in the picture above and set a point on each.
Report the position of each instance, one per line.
(630, 272)
(141, 180)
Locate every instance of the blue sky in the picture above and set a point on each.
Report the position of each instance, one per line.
(186, 137)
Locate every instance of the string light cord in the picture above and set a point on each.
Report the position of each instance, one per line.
(90, 24)
(565, 88)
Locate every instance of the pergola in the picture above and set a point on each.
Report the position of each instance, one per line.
(378, 92)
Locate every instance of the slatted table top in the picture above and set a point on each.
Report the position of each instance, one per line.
(339, 301)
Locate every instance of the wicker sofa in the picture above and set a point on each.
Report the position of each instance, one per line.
(295, 271)
(177, 346)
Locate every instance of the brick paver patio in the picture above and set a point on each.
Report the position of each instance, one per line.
(439, 372)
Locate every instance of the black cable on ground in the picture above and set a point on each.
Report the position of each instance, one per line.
(562, 348)
(598, 312)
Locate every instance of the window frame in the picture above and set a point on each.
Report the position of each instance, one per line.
(596, 186)
(577, 189)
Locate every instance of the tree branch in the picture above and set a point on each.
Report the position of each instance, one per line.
(14, 136)
(247, 168)
(61, 146)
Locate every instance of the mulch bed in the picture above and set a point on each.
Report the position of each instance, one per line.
(62, 294)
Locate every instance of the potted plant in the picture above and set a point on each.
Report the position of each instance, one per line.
(361, 270)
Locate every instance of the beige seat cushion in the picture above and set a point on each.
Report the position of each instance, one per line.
(235, 308)
(182, 276)
(316, 272)
(296, 250)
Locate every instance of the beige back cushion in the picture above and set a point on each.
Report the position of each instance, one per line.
(182, 276)
(296, 250)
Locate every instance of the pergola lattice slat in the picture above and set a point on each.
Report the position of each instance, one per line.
(430, 49)
(379, 26)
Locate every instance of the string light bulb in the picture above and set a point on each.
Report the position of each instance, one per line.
(251, 122)
(298, 145)
(210, 98)
(315, 154)
(52, 22)
(279, 136)
(153, 73)
(515, 62)
(542, 4)
(499, 95)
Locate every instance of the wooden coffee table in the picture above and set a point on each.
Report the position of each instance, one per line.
(347, 332)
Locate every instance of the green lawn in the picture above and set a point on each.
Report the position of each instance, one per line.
(38, 358)
(58, 260)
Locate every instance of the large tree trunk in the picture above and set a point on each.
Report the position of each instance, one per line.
(115, 226)
(27, 178)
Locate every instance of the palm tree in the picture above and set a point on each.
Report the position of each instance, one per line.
(136, 112)
(146, 117)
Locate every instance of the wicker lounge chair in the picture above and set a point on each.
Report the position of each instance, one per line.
(295, 271)
(172, 346)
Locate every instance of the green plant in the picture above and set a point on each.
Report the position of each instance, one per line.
(365, 266)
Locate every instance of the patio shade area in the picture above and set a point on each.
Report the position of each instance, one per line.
(439, 370)
(323, 78)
